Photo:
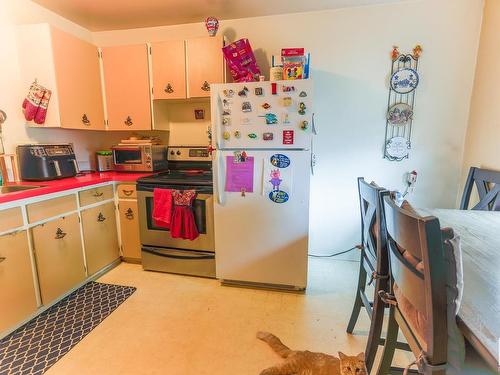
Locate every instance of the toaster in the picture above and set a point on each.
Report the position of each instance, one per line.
(43, 162)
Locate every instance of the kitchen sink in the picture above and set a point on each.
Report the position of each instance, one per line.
(13, 188)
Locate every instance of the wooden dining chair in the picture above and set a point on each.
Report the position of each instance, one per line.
(417, 296)
(487, 183)
(374, 268)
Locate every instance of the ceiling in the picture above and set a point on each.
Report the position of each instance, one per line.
(99, 15)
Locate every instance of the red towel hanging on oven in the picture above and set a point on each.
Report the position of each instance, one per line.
(183, 224)
(162, 207)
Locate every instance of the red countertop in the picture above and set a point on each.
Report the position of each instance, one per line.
(55, 186)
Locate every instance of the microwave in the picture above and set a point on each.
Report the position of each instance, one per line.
(139, 158)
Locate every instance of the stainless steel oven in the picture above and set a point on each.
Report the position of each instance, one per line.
(161, 252)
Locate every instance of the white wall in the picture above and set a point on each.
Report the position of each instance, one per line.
(350, 65)
(12, 13)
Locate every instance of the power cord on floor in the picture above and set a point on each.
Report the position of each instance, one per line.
(335, 254)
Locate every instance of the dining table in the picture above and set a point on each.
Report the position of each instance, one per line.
(479, 313)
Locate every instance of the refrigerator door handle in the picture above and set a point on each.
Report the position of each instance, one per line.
(314, 131)
(313, 162)
(220, 180)
(263, 179)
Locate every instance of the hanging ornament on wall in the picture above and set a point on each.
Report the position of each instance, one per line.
(212, 25)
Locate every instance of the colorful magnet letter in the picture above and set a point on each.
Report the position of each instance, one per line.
(303, 94)
(243, 92)
(266, 105)
(270, 118)
(252, 135)
(226, 136)
(288, 137)
(302, 108)
(304, 125)
(228, 93)
(268, 136)
(258, 91)
(237, 134)
(246, 107)
(287, 101)
(226, 121)
(274, 88)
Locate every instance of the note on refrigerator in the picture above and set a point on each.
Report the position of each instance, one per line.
(239, 175)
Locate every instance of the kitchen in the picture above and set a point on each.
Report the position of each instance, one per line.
(170, 97)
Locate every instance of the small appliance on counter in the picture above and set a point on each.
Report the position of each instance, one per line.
(139, 157)
(104, 160)
(43, 162)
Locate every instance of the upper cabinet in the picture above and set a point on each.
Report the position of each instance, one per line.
(205, 65)
(126, 84)
(69, 67)
(169, 70)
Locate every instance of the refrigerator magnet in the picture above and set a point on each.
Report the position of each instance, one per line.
(285, 118)
(226, 102)
(228, 93)
(259, 91)
(226, 135)
(243, 92)
(288, 137)
(304, 125)
(252, 135)
(271, 118)
(245, 121)
(246, 107)
(266, 105)
(274, 88)
(226, 121)
(268, 136)
(288, 88)
(226, 112)
(303, 94)
(287, 101)
(302, 108)
(280, 161)
(237, 134)
(279, 196)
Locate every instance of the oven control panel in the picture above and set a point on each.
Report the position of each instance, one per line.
(188, 154)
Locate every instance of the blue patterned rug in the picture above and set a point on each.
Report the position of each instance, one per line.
(37, 345)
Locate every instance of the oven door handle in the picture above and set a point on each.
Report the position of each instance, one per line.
(198, 257)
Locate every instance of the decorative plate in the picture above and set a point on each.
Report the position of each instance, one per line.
(399, 114)
(397, 147)
(404, 80)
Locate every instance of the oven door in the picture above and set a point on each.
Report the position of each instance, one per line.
(129, 159)
(152, 235)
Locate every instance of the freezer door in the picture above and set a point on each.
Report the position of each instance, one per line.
(258, 240)
(249, 115)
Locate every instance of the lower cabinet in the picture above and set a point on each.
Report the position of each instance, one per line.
(129, 227)
(59, 256)
(100, 236)
(17, 291)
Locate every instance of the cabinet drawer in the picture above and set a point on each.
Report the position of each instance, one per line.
(17, 294)
(129, 227)
(51, 207)
(100, 236)
(10, 218)
(95, 195)
(59, 256)
(127, 191)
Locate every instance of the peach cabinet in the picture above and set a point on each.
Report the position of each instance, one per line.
(126, 84)
(69, 67)
(169, 70)
(100, 236)
(17, 291)
(59, 256)
(129, 227)
(205, 65)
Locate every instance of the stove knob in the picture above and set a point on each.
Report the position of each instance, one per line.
(172, 152)
(178, 152)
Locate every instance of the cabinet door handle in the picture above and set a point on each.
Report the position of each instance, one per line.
(60, 234)
(128, 121)
(129, 214)
(2, 259)
(205, 86)
(128, 193)
(100, 217)
(98, 194)
(85, 120)
(169, 89)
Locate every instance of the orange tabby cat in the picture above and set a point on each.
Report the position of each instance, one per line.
(310, 363)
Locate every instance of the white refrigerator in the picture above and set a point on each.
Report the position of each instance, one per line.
(262, 135)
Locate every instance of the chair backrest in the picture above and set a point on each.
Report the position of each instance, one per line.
(426, 291)
(488, 187)
(370, 207)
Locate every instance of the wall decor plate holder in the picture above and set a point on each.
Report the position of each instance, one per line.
(403, 83)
